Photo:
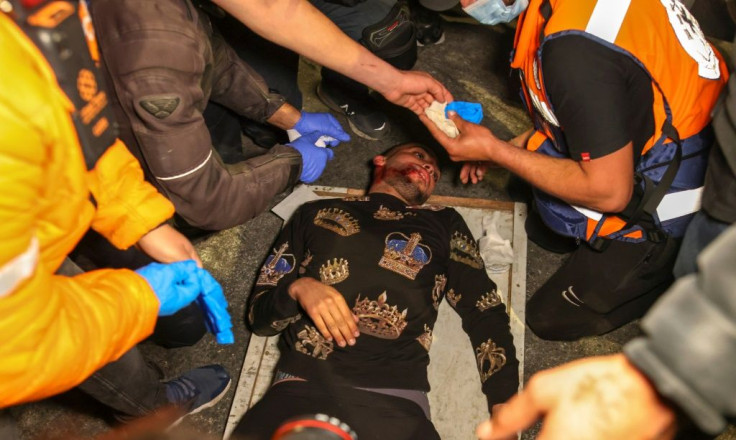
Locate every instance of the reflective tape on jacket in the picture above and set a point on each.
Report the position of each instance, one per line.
(19, 268)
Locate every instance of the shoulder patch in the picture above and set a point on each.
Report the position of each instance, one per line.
(161, 107)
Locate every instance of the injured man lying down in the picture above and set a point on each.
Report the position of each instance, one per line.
(353, 285)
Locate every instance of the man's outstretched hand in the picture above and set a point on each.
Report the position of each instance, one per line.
(327, 309)
(600, 398)
(416, 90)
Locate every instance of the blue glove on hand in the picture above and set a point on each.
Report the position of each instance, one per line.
(180, 283)
(176, 284)
(314, 159)
(470, 111)
(323, 123)
(214, 305)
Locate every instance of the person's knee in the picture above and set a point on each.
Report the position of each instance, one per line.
(182, 329)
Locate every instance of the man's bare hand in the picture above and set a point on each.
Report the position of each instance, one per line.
(473, 172)
(327, 308)
(166, 245)
(602, 398)
(416, 90)
(472, 144)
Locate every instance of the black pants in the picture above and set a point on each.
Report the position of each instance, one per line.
(596, 292)
(371, 415)
(132, 386)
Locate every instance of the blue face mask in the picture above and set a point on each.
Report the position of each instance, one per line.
(495, 11)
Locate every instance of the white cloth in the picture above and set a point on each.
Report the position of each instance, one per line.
(496, 251)
(436, 114)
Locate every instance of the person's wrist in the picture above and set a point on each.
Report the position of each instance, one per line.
(285, 117)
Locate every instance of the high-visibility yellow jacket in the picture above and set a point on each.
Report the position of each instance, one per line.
(57, 330)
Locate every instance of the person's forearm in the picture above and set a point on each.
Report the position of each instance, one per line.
(285, 117)
(297, 25)
(561, 178)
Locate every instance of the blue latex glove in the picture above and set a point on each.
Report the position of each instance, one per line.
(314, 159)
(470, 111)
(176, 284)
(214, 305)
(323, 123)
(180, 283)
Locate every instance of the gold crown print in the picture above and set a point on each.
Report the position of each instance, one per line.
(464, 250)
(490, 299)
(334, 271)
(453, 298)
(405, 255)
(426, 338)
(281, 324)
(376, 318)
(337, 221)
(490, 359)
(305, 262)
(312, 343)
(365, 198)
(384, 213)
(277, 265)
(439, 285)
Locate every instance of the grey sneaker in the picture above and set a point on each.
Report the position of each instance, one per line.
(198, 389)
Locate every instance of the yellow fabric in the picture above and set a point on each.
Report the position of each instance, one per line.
(57, 330)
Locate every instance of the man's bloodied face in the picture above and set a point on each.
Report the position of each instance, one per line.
(411, 171)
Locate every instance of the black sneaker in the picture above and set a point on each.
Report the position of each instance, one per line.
(428, 25)
(363, 119)
(198, 389)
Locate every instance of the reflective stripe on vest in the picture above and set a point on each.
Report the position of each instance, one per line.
(19, 268)
(673, 205)
(607, 18)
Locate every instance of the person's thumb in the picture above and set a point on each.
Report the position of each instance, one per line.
(460, 123)
(312, 137)
(330, 154)
(484, 430)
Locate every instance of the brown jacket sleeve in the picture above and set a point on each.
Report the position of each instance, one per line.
(162, 64)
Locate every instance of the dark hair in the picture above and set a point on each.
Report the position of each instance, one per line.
(396, 148)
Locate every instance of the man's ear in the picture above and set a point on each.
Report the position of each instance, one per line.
(379, 161)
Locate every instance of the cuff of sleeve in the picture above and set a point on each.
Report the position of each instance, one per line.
(295, 171)
(673, 388)
(685, 354)
(285, 305)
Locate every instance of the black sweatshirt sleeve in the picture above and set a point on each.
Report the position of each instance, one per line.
(475, 298)
(270, 307)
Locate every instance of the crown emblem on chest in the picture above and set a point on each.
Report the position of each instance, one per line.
(405, 255)
(464, 250)
(337, 221)
(334, 271)
(384, 213)
(277, 265)
(377, 318)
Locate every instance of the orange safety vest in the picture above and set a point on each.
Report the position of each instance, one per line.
(687, 77)
(63, 171)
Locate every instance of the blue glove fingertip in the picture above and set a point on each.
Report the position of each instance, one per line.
(330, 154)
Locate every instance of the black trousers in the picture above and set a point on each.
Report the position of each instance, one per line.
(371, 415)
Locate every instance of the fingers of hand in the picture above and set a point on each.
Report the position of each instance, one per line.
(333, 319)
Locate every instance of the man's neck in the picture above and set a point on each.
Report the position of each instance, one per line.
(382, 188)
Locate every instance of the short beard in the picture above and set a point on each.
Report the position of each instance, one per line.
(407, 189)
